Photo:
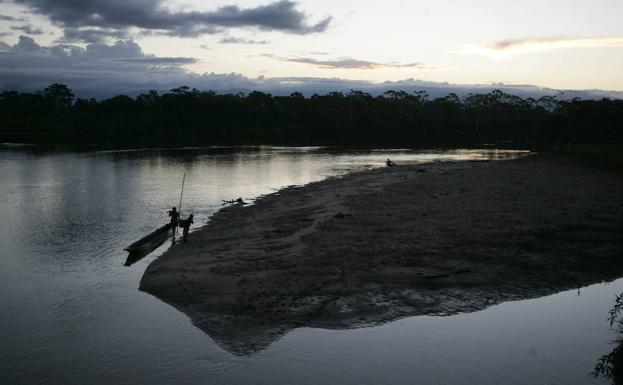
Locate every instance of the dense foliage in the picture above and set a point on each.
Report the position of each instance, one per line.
(186, 116)
(611, 364)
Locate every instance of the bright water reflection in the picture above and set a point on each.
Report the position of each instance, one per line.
(71, 312)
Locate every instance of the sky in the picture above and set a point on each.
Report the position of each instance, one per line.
(103, 47)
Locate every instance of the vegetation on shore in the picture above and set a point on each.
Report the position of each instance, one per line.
(611, 365)
(187, 116)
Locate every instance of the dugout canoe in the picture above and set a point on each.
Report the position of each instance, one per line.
(152, 240)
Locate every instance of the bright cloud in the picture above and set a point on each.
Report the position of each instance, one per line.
(511, 47)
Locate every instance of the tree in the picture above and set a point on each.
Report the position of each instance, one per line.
(59, 96)
(189, 116)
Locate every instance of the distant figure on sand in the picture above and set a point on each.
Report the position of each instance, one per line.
(175, 216)
(186, 226)
(390, 163)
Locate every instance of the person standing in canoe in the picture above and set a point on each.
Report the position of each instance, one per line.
(186, 226)
(175, 217)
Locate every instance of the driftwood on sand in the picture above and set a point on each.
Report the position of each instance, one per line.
(239, 201)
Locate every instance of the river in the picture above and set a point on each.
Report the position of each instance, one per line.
(72, 313)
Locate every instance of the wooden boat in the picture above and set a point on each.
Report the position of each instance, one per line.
(148, 243)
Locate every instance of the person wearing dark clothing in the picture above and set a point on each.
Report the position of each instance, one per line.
(186, 226)
(390, 163)
(175, 217)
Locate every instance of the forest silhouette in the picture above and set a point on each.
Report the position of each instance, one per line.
(189, 117)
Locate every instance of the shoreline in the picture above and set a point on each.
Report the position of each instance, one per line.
(374, 246)
(80, 148)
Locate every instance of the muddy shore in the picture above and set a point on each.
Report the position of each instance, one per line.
(374, 246)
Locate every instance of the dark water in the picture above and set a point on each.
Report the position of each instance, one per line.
(71, 312)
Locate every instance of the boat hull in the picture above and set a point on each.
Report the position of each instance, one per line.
(148, 243)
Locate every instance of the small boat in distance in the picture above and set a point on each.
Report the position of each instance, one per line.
(148, 243)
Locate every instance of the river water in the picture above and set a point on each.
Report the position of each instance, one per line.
(71, 312)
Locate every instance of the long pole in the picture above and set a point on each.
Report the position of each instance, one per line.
(181, 196)
(179, 208)
(179, 211)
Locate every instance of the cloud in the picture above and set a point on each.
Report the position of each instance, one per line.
(97, 69)
(28, 29)
(25, 44)
(177, 61)
(154, 16)
(510, 47)
(241, 40)
(93, 35)
(347, 63)
(105, 70)
(10, 18)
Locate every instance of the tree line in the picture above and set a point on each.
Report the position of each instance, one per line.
(185, 116)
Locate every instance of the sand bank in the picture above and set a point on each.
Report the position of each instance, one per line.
(378, 245)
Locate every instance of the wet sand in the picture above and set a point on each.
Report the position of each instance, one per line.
(375, 246)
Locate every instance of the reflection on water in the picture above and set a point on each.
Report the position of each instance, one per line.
(72, 314)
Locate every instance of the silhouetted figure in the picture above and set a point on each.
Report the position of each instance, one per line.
(390, 163)
(175, 217)
(186, 226)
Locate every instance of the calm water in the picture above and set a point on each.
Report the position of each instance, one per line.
(71, 312)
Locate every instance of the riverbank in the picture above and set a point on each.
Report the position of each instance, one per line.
(373, 246)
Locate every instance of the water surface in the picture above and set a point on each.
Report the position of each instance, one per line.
(71, 312)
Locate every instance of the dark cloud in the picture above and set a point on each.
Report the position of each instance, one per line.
(28, 29)
(153, 15)
(25, 44)
(93, 35)
(241, 40)
(96, 70)
(123, 49)
(177, 61)
(347, 63)
(10, 18)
